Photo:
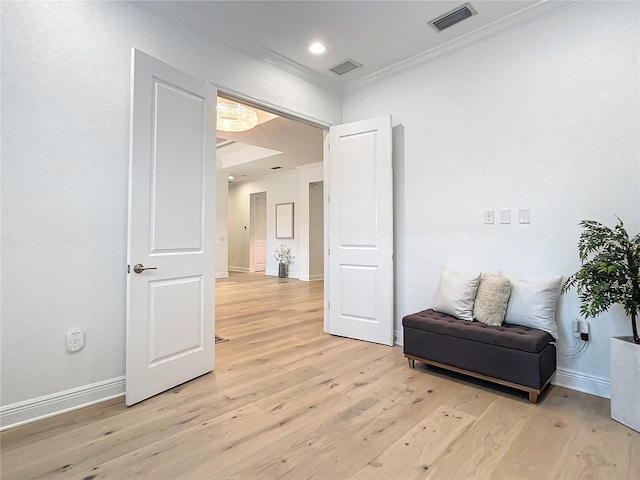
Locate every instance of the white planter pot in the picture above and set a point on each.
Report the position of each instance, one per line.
(625, 382)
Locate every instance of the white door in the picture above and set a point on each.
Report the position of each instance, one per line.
(360, 237)
(170, 306)
(259, 230)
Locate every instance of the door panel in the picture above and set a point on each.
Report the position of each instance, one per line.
(177, 170)
(360, 280)
(170, 299)
(170, 308)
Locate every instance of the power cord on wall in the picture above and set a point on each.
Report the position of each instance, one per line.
(582, 340)
(574, 354)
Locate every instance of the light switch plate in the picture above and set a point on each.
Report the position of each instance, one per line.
(524, 216)
(505, 215)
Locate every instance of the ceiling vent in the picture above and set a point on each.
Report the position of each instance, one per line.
(454, 16)
(345, 67)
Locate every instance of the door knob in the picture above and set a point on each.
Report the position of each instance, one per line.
(139, 268)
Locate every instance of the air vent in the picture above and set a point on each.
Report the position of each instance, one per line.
(454, 16)
(345, 67)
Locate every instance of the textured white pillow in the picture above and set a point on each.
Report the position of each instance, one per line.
(533, 304)
(491, 301)
(456, 294)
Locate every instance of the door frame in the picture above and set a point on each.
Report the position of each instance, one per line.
(240, 96)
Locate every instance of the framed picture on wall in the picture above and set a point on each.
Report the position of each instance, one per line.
(284, 220)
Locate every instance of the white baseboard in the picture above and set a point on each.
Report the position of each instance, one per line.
(222, 275)
(312, 278)
(28, 411)
(398, 337)
(564, 377)
(238, 269)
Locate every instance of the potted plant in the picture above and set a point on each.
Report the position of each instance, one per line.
(609, 275)
(284, 258)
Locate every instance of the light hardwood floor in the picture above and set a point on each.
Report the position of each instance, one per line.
(288, 401)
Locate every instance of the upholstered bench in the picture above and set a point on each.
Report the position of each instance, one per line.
(519, 357)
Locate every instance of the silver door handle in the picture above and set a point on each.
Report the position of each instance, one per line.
(139, 268)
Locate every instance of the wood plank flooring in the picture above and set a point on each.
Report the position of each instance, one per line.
(289, 401)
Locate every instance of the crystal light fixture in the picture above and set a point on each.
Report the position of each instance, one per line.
(234, 117)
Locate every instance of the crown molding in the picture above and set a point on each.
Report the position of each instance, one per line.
(533, 13)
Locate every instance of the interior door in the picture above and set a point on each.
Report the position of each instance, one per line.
(360, 237)
(170, 286)
(260, 226)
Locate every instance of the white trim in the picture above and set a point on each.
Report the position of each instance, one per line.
(312, 278)
(398, 337)
(222, 275)
(531, 14)
(581, 382)
(39, 408)
(271, 107)
(231, 268)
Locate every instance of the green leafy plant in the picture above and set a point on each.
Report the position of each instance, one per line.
(610, 271)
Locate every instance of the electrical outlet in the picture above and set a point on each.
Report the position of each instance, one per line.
(574, 326)
(584, 330)
(488, 217)
(75, 340)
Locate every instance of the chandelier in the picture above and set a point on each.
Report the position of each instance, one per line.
(234, 117)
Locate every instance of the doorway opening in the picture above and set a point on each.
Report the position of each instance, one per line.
(316, 231)
(279, 161)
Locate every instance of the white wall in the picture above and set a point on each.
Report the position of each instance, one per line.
(222, 237)
(544, 117)
(65, 135)
(280, 188)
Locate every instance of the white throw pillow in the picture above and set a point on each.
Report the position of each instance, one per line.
(456, 294)
(533, 304)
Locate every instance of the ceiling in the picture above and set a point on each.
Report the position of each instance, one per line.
(380, 35)
(277, 142)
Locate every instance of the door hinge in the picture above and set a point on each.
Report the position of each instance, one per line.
(128, 268)
(329, 305)
(329, 253)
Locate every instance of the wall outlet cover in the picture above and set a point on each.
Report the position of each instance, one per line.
(505, 215)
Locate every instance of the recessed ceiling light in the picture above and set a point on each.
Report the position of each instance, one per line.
(317, 48)
(230, 177)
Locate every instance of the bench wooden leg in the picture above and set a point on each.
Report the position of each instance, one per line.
(412, 362)
(533, 397)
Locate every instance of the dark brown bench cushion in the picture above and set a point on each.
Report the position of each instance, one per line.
(509, 336)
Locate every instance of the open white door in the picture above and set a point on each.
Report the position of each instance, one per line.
(170, 305)
(360, 237)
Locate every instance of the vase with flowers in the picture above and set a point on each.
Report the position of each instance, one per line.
(284, 258)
